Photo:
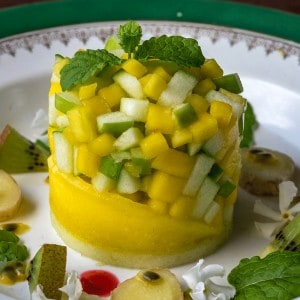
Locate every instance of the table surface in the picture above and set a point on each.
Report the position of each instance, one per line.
(292, 6)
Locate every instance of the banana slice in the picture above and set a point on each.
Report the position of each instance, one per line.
(263, 169)
(10, 196)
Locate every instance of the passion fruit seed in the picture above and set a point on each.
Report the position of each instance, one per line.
(150, 275)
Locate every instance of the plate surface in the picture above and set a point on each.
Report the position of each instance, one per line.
(269, 69)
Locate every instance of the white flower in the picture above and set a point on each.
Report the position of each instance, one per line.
(202, 287)
(287, 192)
(73, 288)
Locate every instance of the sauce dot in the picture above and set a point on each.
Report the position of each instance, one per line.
(98, 282)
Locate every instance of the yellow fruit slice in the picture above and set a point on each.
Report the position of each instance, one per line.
(10, 196)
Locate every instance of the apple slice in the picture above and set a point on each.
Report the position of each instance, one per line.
(10, 196)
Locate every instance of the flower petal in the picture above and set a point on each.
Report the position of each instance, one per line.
(264, 210)
(73, 288)
(211, 271)
(198, 293)
(191, 277)
(287, 192)
(220, 291)
(295, 209)
(268, 229)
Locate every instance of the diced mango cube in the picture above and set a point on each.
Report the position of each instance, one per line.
(143, 80)
(181, 137)
(165, 187)
(204, 86)
(87, 91)
(97, 105)
(55, 87)
(199, 103)
(153, 144)
(86, 162)
(160, 207)
(222, 112)
(82, 123)
(154, 86)
(102, 144)
(182, 207)
(204, 128)
(68, 133)
(112, 94)
(211, 69)
(160, 71)
(159, 118)
(134, 67)
(174, 162)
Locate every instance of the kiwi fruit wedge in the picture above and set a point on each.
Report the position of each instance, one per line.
(287, 239)
(48, 269)
(20, 155)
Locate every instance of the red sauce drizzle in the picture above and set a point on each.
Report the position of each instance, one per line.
(98, 282)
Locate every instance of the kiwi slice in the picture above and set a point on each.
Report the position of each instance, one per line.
(287, 239)
(47, 269)
(20, 155)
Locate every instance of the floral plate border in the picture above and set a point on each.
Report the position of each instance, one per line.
(102, 30)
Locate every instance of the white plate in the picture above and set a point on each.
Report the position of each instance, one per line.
(269, 69)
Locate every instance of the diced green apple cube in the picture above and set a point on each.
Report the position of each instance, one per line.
(127, 183)
(205, 196)
(230, 82)
(179, 87)
(215, 172)
(130, 84)
(128, 139)
(135, 108)
(212, 211)
(114, 123)
(185, 114)
(65, 101)
(110, 168)
(102, 183)
(200, 170)
(227, 187)
(63, 152)
(214, 144)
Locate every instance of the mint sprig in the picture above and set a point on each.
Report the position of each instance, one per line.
(129, 36)
(11, 250)
(277, 276)
(184, 51)
(84, 65)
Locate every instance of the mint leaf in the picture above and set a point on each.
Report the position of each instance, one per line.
(84, 65)
(184, 51)
(277, 276)
(129, 36)
(11, 251)
(250, 125)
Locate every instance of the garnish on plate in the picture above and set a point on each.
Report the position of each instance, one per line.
(20, 155)
(202, 287)
(263, 169)
(286, 213)
(10, 196)
(13, 256)
(277, 276)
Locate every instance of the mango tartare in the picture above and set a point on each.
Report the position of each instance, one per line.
(145, 159)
